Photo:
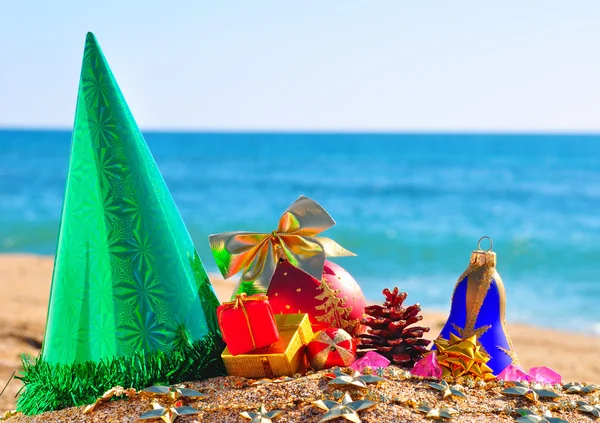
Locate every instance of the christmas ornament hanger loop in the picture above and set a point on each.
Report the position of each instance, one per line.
(489, 239)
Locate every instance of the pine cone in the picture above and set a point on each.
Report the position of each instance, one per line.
(389, 333)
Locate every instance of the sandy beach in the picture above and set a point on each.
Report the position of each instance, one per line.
(25, 285)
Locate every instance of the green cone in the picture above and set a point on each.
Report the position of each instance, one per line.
(127, 278)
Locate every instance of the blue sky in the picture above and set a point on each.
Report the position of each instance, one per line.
(312, 65)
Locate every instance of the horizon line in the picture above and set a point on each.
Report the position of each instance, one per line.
(313, 131)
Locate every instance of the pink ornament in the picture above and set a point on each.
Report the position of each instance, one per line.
(428, 366)
(544, 374)
(514, 373)
(370, 359)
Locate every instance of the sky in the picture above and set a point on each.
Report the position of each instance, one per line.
(347, 65)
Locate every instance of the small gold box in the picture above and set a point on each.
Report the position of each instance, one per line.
(284, 358)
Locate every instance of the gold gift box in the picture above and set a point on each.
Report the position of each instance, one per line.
(283, 358)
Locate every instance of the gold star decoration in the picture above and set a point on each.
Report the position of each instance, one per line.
(168, 414)
(261, 416)
(446, 389)
(580, 388)
(347, 409)
(8, 414)
(532, 393)
(281, 379)
(594, 410)
(528, 416)
(174, 392)
(356, 379)
(437, 413)
(117, 391)
(463, 357)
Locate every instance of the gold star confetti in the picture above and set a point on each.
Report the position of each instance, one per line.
(356, 379)
(170, 414)
(594, 410)
(262, 382)
(117, 391)
(446, 389)
(463, 357)
(437, 413)
(528, 416)
(281, 379)
(580, 388)
(261, 416)
(174, 392)
(347, 409)
(532, 393)
(522, 392)
(8, 414)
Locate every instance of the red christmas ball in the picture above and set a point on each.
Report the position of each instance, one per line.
(331, 347)
(334, 301)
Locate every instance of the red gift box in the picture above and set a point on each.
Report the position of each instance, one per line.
(247, 323)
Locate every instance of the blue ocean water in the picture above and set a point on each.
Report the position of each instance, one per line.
(411, 206)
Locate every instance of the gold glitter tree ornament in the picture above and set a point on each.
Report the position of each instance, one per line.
(335, 312)
(463, 358)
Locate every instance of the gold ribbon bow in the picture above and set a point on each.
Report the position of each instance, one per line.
(238, 302)
(257, 254)
(463, 357)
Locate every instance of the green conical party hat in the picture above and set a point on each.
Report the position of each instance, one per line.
(127, 278)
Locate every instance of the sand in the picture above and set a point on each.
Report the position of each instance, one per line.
(25, 285)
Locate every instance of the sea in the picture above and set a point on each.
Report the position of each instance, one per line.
(411, 206)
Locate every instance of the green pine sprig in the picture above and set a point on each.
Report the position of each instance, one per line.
(49, 387)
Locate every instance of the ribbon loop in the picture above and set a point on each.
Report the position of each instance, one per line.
(239, 300)
(257, 254)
